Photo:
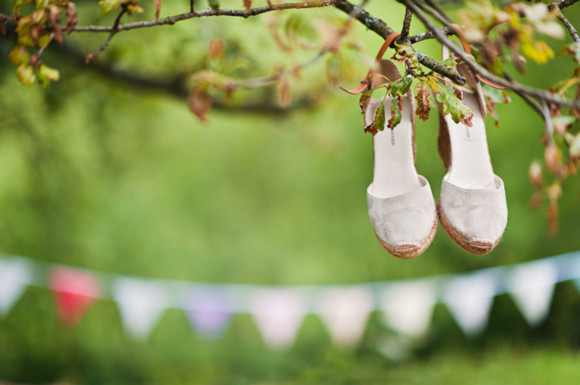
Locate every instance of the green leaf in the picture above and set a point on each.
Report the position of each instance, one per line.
(214, 4)
(495, 94)
(18, 4)
(107, 6)
(451, 104)
(44, 40)
(297, 25)
(19, 55)
(25, 74)
(449, 62)
(396, 115)
(400, 87)
(23, 29)
(380, 118)
(41, 4)
(46, 75)
(236, 64)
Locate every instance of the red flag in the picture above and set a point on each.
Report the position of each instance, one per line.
(74, 292)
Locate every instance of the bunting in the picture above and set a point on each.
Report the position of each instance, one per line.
(278, 311)
(278, 314)
(74, 292)
(141, 302)
(345, 311)
(469, 298)
(407, 306)
(15, 276)
(532, 285)
(209, 310)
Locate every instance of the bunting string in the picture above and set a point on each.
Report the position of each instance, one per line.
(406, 306)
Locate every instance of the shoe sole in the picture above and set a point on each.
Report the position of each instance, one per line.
(414, 251)
(460, 240)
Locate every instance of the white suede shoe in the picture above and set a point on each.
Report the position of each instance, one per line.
(472, 204)
(401, 207)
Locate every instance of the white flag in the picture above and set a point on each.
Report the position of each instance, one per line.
(408, 306)
(142, 302)
(345, 311)
(15, 275)
(532, 285)
(279, 314)
(469, 298)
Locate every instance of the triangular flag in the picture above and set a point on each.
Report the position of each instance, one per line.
(141, 302)
(532, 285)
(469, 298)
(345, 311)
(278, 314)
(74, 291)
(408, 306)
(208, 310)
(15, 275)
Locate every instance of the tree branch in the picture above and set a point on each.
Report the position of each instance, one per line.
(382, 29)
(566, 3)
(430, 35)
(563, 20)
(113, 32)
(175, 86)
(541, 94)
(406, 23)
(207, 13)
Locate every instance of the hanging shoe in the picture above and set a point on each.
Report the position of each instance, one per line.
(401, 207)
(472, 205)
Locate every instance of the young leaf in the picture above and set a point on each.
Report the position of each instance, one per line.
(19, 55)
(72, 17)
(378, 123)
(364, 101)
(25, 74)
(283, 92)
(46, 75)
(53, 15)
(380, 118)
(157, 4)
(396, 115)
(422, 98)
(199, 102)
(107, 6)
(451, 104)
(214, 4)
(400, 87)
(19, 4)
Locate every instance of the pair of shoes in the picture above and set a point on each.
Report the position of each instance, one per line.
(472, 206)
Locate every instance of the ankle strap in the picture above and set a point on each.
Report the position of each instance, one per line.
(366, 84)
(467, 50)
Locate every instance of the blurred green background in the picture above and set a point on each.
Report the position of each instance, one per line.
(94, 174)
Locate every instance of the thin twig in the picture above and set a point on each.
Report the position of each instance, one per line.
(191, 6)
(566, 23)
(207, 13)
(566, 3)
(528, 99)
(430, 35)
(114, 31)
(406, 23)
(548, 120)
(541, 94)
